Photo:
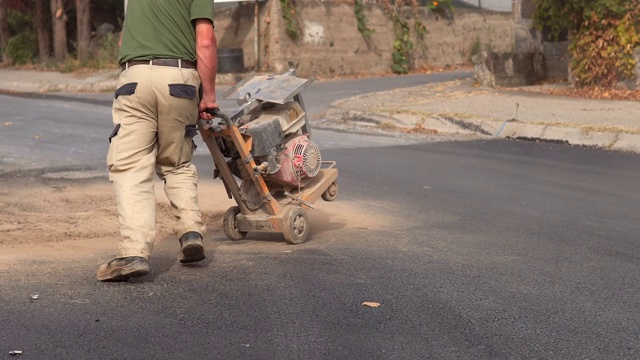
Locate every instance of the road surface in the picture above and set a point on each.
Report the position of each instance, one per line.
(473, 249)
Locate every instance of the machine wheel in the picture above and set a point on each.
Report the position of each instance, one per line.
(296, 226)
(230, 225)
(331, 193)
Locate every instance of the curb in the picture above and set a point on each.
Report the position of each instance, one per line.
(452, 124)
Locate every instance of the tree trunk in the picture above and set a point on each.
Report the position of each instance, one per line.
(84, 30)
(44, 45)
(4, 31)
(59, 20)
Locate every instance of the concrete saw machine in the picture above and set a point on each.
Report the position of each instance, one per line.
(264, 155)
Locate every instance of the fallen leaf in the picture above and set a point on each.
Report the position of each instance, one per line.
(8, 123)
(39, 136)
(371, 304)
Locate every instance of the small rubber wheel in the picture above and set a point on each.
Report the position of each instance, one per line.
(230, 225)
(296, 226)
(331, 193)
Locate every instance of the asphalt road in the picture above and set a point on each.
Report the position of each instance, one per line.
(69, 130)
(478, 249)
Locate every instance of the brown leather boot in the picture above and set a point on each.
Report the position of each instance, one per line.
(192, 248)
(121, 269)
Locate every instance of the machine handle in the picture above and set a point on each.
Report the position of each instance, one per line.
(215, 112)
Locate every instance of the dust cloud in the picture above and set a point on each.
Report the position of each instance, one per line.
(45, 218)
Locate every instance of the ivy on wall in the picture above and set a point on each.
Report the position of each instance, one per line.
(603, 35)
(290, 22)
(358, 10)
(403, 28)
(403, 46)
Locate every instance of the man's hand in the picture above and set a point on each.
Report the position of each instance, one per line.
(207, 104)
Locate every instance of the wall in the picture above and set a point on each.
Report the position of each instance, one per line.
(329, 43)
(529, 39)
(235, 28)
(556, 55)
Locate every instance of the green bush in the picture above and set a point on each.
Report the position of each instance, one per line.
(476, 47)
(107, 51)
(19, 22)
(23, 48)
(603, 35)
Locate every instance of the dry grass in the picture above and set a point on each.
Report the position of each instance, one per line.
(416, 129)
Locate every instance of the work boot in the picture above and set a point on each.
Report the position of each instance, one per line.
(121, 269)
(192, 249)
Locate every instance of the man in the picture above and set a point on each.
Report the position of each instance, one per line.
(168, 51)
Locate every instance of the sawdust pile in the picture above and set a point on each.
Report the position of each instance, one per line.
(43, 211)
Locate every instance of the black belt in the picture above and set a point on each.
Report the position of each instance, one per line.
(160, 62)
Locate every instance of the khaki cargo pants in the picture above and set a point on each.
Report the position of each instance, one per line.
(154, 115)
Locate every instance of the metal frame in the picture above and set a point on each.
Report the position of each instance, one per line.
(272, 214)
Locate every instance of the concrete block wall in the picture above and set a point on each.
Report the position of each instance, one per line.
(235, 28)
(451, 43)
(329, 43)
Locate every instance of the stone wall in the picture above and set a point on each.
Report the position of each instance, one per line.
(329, 43)
(506, 69)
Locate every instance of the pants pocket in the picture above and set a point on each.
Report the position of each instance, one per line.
(189, 146)
(184, 91)
(113, 143)
(190, 132)
(126, 89)
(114, 132)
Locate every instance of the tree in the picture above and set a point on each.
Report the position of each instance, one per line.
(44, 45)
(59, 20)
(84, 30)
(4, 31)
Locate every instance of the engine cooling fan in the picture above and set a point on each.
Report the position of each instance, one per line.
(300, 160)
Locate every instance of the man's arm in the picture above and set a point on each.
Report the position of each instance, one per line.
(207, 64)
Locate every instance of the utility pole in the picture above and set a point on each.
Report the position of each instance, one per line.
(479, 4)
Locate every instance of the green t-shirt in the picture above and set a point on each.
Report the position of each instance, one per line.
(162, 29)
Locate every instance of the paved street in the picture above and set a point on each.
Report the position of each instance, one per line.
(475, 249)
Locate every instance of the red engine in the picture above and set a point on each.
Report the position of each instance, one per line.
(300, 160)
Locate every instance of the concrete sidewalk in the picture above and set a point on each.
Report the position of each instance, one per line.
(35, 81)
(460, 108)
(455, 108)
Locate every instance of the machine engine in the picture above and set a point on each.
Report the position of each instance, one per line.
(283, 155)
(266, 144)
(299, 161)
